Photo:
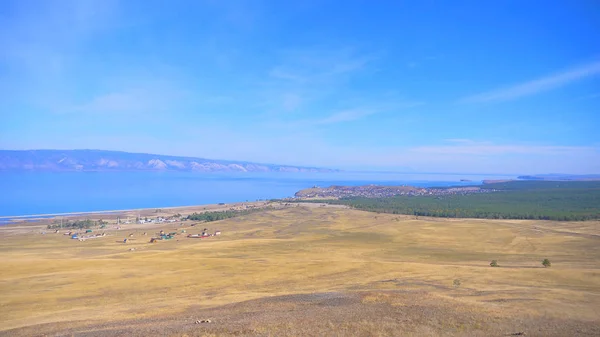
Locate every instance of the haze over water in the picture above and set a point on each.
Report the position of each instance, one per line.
(64, 192)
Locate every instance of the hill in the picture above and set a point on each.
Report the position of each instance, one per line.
(100, 160)
(561, 177)
(304, 271)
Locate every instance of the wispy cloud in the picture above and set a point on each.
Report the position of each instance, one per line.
(291, 101)
(318, 64)
(536, 86)
(130, 102)
(301, 77)
(470, 147)
(43, 47)
(458, 140)
(142, 96)
(345, 116)
(281, 73)
(359, 113)
(54, 30)
(236, 13)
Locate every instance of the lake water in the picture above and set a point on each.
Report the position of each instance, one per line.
(28, 193)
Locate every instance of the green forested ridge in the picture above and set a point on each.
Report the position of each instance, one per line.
(547, 200)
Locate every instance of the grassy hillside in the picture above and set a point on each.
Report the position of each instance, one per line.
(366, 275)
(542, 200)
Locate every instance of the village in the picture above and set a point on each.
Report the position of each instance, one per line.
(378, 191)
(101, 231)
(137, 226)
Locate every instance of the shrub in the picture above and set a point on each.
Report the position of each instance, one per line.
(494, 263)
(456, 283)
(546, 263)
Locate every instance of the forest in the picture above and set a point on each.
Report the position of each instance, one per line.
(541, 200)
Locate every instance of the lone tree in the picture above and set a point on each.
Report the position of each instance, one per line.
(546, 263)
(494, 263)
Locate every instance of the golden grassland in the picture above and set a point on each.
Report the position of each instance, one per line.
(303, 249)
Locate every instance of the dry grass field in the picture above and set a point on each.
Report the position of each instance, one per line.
(307, 270)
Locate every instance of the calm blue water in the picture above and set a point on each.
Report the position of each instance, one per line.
(27, 193)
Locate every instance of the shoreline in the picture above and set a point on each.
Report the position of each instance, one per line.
(6, 219)
(20, 216)
(118, 211)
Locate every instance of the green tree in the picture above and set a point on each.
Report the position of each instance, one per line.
(494, 263)
(546, 263)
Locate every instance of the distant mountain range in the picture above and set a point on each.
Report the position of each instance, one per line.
(561, 177)
(99, 160)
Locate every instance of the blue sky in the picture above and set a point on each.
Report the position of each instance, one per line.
(428, 86)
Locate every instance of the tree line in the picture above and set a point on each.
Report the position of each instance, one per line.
(551, 203)
(221, 215)
(77, 224)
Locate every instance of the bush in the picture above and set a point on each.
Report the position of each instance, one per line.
(77, 224)
(456, 283)
(221, 215)
(494, 263)
(546, 263)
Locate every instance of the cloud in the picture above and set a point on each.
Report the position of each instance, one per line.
(469, 147)
(305, 77)
(285, 74)
(139, 96)
(501, 158)
(360, 113)
(238, 14)
(479, 157)
(42, 49)
(116, 102)
(291, 101)
(458, 140)
(536, 86)
(317, 65)
(345, 116)
(56, 29)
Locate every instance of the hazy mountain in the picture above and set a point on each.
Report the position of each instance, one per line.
(99, 160)
(561, 177)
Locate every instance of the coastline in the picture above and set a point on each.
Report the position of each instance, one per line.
(143, 211)
(54, 194)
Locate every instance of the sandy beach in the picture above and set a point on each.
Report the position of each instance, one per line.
(168, 210)
(39, 222)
